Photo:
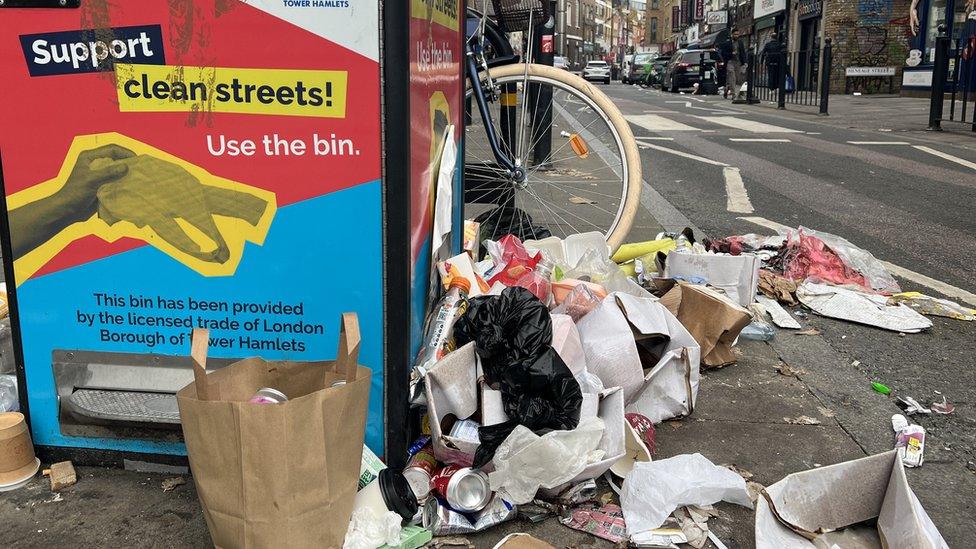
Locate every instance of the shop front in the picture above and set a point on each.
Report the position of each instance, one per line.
(932, 14)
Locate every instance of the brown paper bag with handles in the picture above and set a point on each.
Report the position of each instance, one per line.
(277, 475)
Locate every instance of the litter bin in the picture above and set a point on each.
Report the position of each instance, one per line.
(221, 167)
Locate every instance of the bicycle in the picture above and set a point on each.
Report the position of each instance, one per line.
(571, 166)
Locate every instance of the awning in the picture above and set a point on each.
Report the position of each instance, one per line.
(709, 40)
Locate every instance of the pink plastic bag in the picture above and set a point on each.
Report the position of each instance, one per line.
(807, 256)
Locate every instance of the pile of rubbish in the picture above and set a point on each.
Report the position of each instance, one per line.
(547, 363)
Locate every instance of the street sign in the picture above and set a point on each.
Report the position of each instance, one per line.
(762, 8)
(869, 71)
(717, 17)
(699, 9)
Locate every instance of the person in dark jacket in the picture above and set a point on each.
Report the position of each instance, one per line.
(771, 55)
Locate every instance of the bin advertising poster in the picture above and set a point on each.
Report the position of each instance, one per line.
(171, 165)
(436, 89)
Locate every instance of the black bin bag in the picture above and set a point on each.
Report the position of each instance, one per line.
(512, 333)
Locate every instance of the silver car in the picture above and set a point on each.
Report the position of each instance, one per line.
(597, 71)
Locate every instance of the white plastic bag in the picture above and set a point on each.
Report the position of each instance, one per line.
(368, 531)
(653, 490)
(524, 461)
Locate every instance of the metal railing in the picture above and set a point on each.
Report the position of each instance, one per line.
(791, 77)
(961, 82)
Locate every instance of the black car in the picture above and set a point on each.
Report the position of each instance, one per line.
(682, 71)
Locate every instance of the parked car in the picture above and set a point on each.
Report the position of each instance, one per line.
(597, 70)
(636, 68)
(560, 63)
(682, 71)
(625, 68)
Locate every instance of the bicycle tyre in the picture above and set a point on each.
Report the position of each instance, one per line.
(611, 114)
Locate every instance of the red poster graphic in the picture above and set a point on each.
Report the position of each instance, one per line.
(435, 105)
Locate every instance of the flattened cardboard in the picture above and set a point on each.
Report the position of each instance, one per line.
(713, 320)
(806, 505)
(736, 275)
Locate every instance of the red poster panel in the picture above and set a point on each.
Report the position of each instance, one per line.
(436, 55)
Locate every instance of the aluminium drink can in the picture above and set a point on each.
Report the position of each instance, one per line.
(465, 489)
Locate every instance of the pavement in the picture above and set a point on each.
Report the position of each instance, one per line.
(885, 191)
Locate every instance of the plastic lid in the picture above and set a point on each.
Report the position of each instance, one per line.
(461, 283)
(397, 494)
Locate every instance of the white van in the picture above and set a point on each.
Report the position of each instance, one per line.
(625, 69)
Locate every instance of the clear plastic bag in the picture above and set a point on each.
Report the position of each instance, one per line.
(578, 302)
(524, 461)
(861, 260)
(9, 401)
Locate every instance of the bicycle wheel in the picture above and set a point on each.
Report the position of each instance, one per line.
(588, 180)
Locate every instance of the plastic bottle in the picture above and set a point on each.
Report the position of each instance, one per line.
(909, 441)
(437, 340)
(538, 281)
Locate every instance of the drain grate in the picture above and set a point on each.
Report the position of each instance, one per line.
(130, 406)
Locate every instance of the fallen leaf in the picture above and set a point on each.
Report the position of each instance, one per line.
(785, 369)
(802, 420)
(825, 412)
(738, 470)
(754, 489)
(456, 541)
(808, 332)
(170, 484)
(581, 200)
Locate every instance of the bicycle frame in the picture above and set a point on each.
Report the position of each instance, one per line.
(474, 65)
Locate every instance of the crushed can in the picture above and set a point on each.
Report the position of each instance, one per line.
(267, 395)
(419, 471)
(463, 488)
(441, 520)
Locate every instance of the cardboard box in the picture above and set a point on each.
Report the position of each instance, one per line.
(635, 343)
(820, 504)
(736, 275)
(451, 388)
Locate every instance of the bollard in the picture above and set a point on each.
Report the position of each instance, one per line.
(939, 73)
(781, 89)
(825, 77)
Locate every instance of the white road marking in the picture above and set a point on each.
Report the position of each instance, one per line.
(878, 143)
(713, 110)
(947, 156)
(757, 140)
(735, 189)
(813, 133)
(657, 123)
(747, 125)
(686, 155)
(920, 279)
(654, 138)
